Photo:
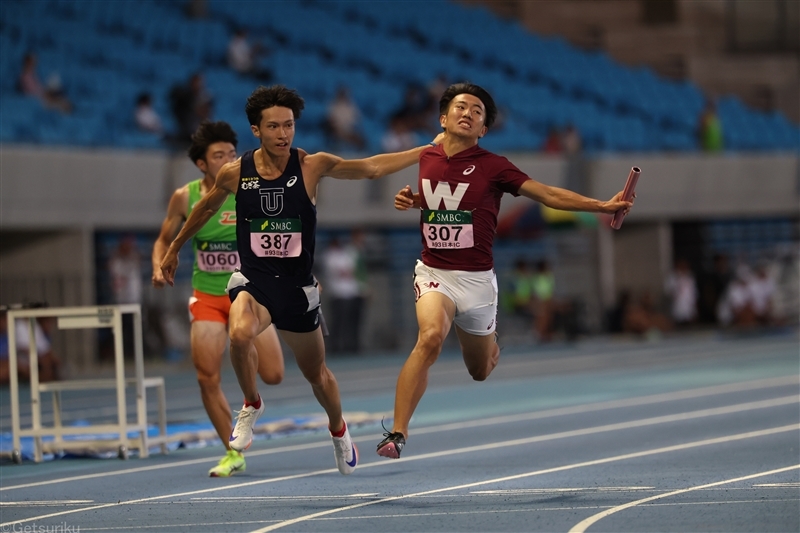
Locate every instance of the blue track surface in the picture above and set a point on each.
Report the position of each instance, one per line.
(695, 434)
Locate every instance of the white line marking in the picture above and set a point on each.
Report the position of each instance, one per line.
(469, 449)
(793, 485)
(581, 526)
(561, 411)
(719, 440)
(46, 502)
(555, 490)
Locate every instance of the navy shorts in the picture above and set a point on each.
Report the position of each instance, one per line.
(293, 303)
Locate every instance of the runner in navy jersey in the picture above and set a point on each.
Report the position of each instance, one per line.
(460, 187)
(276, 191)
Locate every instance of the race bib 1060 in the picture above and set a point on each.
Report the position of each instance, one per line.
(447, 230)
(276, 237)
(217, 256)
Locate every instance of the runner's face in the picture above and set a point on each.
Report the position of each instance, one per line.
(465, 117)
(217, 155)
(276, 130)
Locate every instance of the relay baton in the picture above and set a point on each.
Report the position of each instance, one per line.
(627, 195)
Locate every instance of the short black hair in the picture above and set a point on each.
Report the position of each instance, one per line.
(276, 95)
(476, 91)
(207, 134)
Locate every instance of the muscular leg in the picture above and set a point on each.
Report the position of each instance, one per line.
(481, 353)
(309, 350)
(270, 356)
(208, 344)
(247, 320)
(435, 313)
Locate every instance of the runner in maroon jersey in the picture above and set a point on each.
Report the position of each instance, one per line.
(460, 187)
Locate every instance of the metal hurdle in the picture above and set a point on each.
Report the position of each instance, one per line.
(109, 316)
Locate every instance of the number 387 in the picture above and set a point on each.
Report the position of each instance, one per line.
(275, 241)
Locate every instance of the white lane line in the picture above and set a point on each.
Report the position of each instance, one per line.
(581, 526)
(451, 452)
(504, 492)
(46, 502)
(561, 411)
(778, 485)
(685, 446)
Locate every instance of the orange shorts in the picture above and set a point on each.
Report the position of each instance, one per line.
(204, 306)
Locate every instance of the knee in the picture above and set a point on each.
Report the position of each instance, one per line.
(271, 376)
(429, 344)
(241, 337)
(208, 381)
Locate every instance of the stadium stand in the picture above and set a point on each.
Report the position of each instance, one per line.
(108, 52)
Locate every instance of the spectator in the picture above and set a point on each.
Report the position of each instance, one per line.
(146, 117)
(414, 110)
(125, 267)
(762, 289)
(191, 105)
(736, 306)
(52, 95)
(710, 129)
(399, 136)
(343, 121)
(642, 318)
(342, 271)
(49, 363)
(519, 295)
(681, 288)
(572, 145)
(543, 285)
(243, 56)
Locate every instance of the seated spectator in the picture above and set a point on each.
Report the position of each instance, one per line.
(243, 56)
(48, 362)
(543, 284)
(518, 298)
(415, 107)
(343, 121)
(762, 289)
(146, 117)
(191, 105)
(736, 306)
(681, 288)
(642, 318)
(709, 129)
(51, 95)
(399, 136)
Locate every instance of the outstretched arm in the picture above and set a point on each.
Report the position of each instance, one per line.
(558, 198)
(373, 167)
(176, 213)
(227, 181)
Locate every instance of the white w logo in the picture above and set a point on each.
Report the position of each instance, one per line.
(271, 201)
(442, 192)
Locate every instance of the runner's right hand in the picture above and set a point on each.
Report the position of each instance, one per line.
(168, 267)
(405, 199)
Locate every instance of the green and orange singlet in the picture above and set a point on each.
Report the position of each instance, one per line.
(215, 252)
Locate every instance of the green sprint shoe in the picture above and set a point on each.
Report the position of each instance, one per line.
(232, 462)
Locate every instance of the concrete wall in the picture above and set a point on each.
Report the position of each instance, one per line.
(52, 201)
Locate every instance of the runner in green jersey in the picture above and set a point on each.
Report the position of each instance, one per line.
(216, 257)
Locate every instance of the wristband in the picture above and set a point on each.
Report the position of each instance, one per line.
(433, 144)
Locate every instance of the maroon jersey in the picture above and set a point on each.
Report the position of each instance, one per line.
(460, 198)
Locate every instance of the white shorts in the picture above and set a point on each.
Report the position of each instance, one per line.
(474, 293)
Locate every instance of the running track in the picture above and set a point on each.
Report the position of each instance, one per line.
(692, 434)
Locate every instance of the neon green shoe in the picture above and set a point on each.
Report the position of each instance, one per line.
(232, 462)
